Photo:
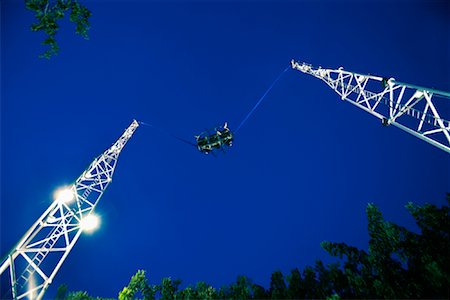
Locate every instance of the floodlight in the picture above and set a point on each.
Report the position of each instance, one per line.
(90, 223)
(64, 195)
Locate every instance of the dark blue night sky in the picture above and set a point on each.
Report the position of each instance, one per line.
(301, 170)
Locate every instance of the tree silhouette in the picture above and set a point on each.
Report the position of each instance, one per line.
(398, 264)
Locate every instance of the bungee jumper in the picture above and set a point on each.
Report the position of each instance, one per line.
(221, 137)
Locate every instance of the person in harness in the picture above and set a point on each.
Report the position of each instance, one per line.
(225, 135)
(221, 137)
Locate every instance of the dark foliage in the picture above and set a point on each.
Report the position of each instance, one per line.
(48, 12)
(398, 264)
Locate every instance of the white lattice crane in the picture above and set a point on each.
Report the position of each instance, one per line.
(33, 263)
(414, 109)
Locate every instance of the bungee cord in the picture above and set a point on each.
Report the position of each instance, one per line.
(222, 136)
(260, 100)
(167, 133)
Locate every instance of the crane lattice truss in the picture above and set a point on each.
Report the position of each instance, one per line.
(411, 108)
(36, 259)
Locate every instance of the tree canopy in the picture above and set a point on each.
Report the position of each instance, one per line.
(398, 264)
(48, 12)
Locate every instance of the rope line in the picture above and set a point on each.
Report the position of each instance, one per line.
(260, 100)
(168, 133)
(161, 130)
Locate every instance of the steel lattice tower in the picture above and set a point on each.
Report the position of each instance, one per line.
(414, 109)
(35, 260)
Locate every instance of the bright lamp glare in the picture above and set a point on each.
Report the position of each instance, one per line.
(90, 223)
(64, 195)
(32, 286)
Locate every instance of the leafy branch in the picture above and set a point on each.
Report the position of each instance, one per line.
(48, 12)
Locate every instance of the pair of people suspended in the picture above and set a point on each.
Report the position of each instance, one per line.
(220, 138)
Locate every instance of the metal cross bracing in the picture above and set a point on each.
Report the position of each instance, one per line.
(35, 260)
(414, 109)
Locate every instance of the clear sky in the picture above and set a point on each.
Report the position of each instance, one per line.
(301, 170)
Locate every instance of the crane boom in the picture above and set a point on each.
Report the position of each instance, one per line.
(35, 260)
(411, 108)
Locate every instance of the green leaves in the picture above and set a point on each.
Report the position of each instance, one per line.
(294, 289)
(168, 288)
(398, 264)
(36, 5)
(48, 12)
(61, 292)
(80, 15)
(205, 291)
(138, 283)
(79, 296)
(277, 286)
